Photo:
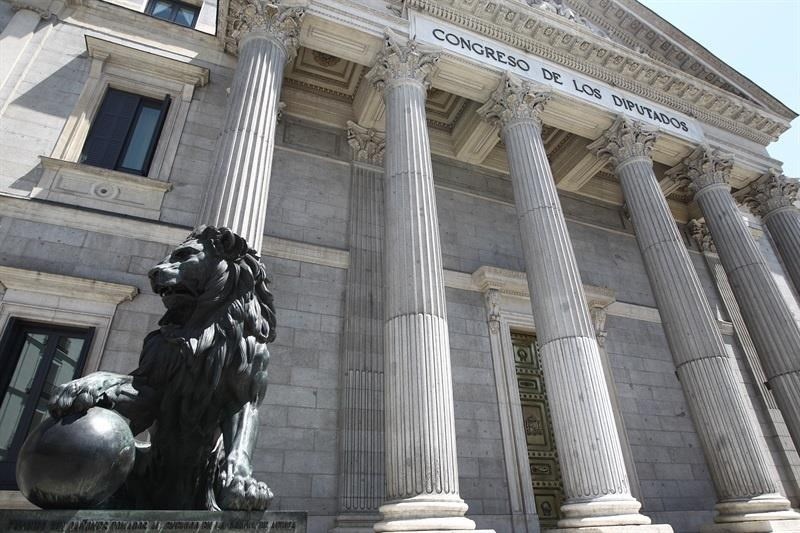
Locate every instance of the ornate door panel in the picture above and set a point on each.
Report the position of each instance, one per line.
(542, 453)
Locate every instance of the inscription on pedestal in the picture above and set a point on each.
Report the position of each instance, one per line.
(13, 521)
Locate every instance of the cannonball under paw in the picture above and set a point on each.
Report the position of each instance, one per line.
(76, 462)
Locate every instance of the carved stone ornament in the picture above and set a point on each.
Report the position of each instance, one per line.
(698, 230)
(773, 191)
(704, 167)
(402, 61)
(560, 8)
(493, 307)
(625, 139)
(271, 19)
(515, 99)
(368, 144)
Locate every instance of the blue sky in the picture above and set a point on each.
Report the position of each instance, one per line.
(760, 39)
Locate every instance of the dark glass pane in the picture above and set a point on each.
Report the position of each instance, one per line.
(109, 129)
(144, 130)
(18, 392)
(186, 16)
(162, 10)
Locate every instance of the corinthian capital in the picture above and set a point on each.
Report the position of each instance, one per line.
(368, 144)
(403, 60)
(271, 19)
(773, 191)
(625, 139)
(514, 99)
(704, 167)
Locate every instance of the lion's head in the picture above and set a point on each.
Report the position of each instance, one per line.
(214, 277)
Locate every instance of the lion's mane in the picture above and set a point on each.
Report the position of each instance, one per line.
(213, 361)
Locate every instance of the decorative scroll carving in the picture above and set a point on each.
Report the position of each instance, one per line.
(624, 140)
(368, 144)
(704, 167)
(493, 310)
(271, 19)
(400, 61)
(698, 230)
(773, 191)
(515, 99)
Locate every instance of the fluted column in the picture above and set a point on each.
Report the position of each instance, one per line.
(361, 485)
(735, 453)
(596, 487)
(265, 37)
(421, 461)
(775, 332)
(773, 199)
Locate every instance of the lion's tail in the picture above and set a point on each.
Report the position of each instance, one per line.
(215, 460)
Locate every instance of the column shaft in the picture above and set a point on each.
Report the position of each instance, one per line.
(784, 228)
(239, 181)
(421, 460)
(735, 453)
(775, 332)
(592, 463)
(361, 489)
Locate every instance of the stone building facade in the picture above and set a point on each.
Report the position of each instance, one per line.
(401, 166)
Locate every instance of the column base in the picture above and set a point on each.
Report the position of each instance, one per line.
(755, 526)
(649, 528)
(770, 512)
(602, 512)
(425, 514)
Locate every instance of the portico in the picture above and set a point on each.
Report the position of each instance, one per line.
(549, 116)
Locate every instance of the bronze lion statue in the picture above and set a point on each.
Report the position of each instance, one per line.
(201, 378)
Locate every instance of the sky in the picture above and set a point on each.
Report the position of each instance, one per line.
(758, 38)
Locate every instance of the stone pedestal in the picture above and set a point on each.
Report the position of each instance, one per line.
(775, 332)
(736, 454)
(57, 521)
(265, 38)
(421, 460)
(596, 487)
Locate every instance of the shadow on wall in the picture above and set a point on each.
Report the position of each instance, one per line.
(51, 100)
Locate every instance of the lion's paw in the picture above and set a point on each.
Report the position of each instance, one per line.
(243, 493)
(78, 396)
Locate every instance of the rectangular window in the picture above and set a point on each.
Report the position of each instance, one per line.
(171, 11)
(125, 132)
(34, 360)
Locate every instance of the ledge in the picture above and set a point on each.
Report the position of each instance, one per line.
(100, 188)
(65, 286)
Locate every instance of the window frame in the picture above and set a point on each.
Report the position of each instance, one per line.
(163, 105)
(11, 344)
(175, 6)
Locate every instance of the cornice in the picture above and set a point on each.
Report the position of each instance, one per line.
(66, 286)
(574, 46)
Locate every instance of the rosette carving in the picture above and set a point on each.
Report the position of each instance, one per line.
(368, 144)
(271, 19)
(771, 192)
(515, 99)
(625, 139)
(402, 61)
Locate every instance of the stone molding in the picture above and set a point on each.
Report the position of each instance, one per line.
(703, 168)
(279, 21)
(626, 139)
(100, 188)
(368, 144)
(698, 230)
(514, 100)
(573, 45)
(772, 192)
(401, 61)
(66, 286)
